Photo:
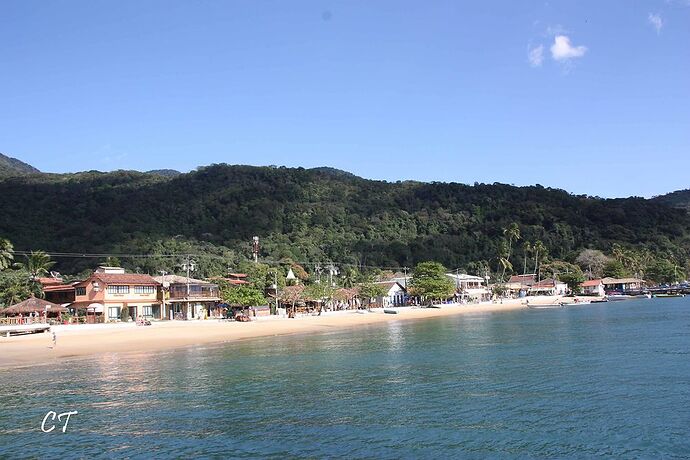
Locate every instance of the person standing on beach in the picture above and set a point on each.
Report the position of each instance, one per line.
(54, 340)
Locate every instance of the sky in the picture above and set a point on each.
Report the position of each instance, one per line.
(592, 97)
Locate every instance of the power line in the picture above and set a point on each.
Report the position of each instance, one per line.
(84, 255)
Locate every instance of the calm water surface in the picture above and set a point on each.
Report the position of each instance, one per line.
(589, 381)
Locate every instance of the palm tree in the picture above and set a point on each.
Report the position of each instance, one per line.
(37, 263)
(527, 249)
(6, 253)
(505, 264)
(512, 233)
(349, 278)
(539, 253)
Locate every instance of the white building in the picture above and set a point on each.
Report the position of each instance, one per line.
(395, 294)
(469, 286)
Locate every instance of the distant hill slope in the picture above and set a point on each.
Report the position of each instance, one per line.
(11, 167)
(164, 172)
(679, 199)
(317, 216)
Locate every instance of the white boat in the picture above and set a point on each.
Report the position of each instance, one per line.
(547, 306)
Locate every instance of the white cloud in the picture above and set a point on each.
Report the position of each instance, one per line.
(536, 56)
(562, 50)
(656, 21)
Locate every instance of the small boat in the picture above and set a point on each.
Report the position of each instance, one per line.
(547, 306)
(664, 296)
(643, 296)
(617, 298)
(604, 300)
(390, 311)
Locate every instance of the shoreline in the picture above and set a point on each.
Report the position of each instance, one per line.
(86, 340)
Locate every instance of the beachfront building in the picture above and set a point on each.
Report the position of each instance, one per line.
(401, 278)
(593, 287)
(188, 298)
(548, 286)
(394, 295)
(519, 285)
(469, 287)
(622, 284)
(109, 290)
(56, 291)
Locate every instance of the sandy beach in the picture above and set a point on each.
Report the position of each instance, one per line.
(84, 340)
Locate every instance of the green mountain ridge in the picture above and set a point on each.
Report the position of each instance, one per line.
(677, 199)
(319, 215)
(11, 167)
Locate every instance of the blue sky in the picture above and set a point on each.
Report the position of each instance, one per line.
(589, 96)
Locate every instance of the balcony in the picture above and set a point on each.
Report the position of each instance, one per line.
(208, 292)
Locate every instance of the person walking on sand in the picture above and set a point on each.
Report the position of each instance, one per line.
(54, 340)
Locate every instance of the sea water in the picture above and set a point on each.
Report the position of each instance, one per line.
(609, 380)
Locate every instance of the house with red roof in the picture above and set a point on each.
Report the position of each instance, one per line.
(109, 290)
(593, 287)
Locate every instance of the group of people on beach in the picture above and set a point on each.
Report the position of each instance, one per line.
(33, 317)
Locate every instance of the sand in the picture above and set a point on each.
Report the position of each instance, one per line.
(84, 340)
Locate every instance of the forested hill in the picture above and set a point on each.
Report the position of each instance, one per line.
(679, 199)
(319, 215)
(11, 167)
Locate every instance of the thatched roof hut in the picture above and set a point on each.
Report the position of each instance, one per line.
(31, 305)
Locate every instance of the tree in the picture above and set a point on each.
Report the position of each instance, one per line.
(512, 233)
(430, 281)
(370, 290)
(349, 278)
(615, 269)
(540, 253)
(37, 264)
(111, 261)
(664, 271)
(6, 253)
(573, 280)
(527, 250)
(15, 286)
(124, 314)
(592, 262)
(243, 296)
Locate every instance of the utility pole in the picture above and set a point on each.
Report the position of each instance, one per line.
(318, 270)
(190, 265)
(275, 283)
(163, 272)
(405, 282)
(255, 249)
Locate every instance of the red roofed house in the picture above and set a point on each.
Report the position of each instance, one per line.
(549, 286)
(55, 291)
(109, 289)
(593, 287)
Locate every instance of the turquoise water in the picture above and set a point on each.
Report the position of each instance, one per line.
(605, 380)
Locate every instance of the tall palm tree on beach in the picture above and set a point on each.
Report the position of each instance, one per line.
(527, 249)
(512, 233)
(539, 254)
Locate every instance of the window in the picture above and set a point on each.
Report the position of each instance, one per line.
(80, 291)
(144, 289)
(118, 289)
(146, 311)
(113, 313)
